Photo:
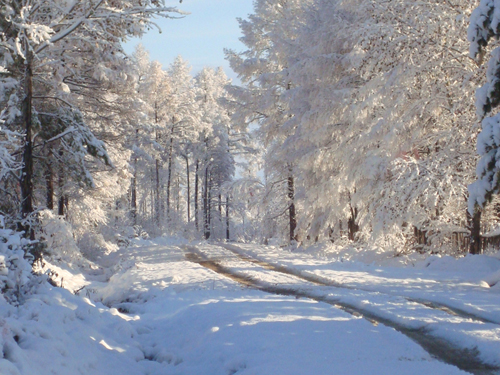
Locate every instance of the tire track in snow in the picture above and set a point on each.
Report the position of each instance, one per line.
(319, 280)
(463, 358)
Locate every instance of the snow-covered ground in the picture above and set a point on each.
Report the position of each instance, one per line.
(153, 311)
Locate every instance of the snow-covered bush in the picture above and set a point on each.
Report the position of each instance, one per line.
(57, 234)
(16, 277)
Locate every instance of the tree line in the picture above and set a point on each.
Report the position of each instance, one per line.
(107, 142)
(366, 113)
(354, 122)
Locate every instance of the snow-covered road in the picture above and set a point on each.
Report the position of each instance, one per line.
(447, 332)
(223, 309)
(210, 294)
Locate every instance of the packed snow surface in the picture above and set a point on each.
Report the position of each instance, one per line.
(152, 311)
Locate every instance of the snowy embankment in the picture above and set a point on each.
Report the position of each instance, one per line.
(162, 314)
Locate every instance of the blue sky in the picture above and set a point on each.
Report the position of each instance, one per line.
(199, 37)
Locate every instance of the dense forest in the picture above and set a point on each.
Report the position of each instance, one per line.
(355, 122)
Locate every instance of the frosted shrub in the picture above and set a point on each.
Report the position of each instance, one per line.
(15, 264)
(57, 233)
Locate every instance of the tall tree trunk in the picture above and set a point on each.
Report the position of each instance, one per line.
(196, 188)
(49, 182)
(291, 209)
(227, 217)
(27, 169)
(209, 209)
(60, 183)
(157, 194)
(178, 187)
(475, 246)
(133, 197)
(152, 195)
(133, 184)
(169, 175)
(221, 222)
(420, 236)
(206, 209)
(188, 191)
(133, 200)
(60, 205)
(352, 225)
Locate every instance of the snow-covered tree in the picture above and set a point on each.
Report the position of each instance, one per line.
(183, 122)
(359, 100)
(484, 25)
(263, 70)
(214, 153)
(400, 149)
(53, 56)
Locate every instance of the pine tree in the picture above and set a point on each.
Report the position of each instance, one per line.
(483, 27)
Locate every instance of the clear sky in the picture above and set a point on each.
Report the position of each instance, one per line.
(199, 37)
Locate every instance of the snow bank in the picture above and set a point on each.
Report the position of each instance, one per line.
(56, 332)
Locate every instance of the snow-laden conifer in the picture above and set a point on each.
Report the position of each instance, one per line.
(484, 25)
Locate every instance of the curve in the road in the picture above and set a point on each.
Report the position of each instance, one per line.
(465, 359)
(325, 282)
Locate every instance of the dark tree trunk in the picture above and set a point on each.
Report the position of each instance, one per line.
(169, 176)
(420, 236)
(61, 204)
(352, 225)
(178, 193)
(196, 188)
(206, 208)
(133, 198)
(188, 191)
(152, 195)
(133, 193)
(475, 246)
(49, 183)
(220, 211)
(27, 169)
(227, 217)
(133, 185)
(60, 182)
(209, 209)
(157, 194)
(330, 234)
(291, 209)
(157, 207)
